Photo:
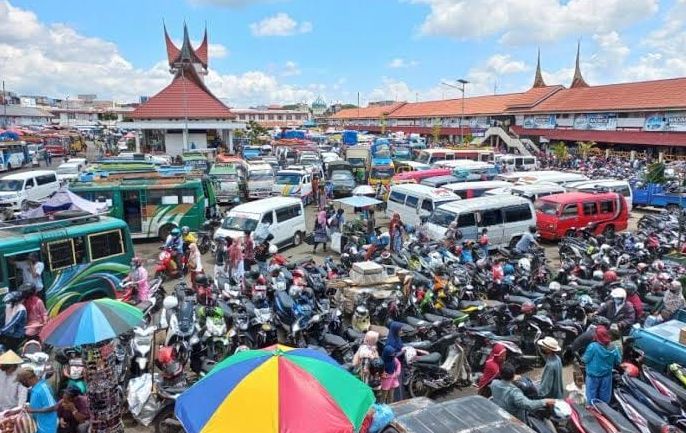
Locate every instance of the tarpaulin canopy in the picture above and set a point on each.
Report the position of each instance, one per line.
(65, 200)
(364, 190)
(358, 201)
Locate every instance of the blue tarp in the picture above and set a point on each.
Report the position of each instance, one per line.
(358, 201)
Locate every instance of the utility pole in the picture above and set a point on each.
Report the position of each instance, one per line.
(461, 88)
(4, 106)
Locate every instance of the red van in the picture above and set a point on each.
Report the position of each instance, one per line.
(418, 176)
(560, 214)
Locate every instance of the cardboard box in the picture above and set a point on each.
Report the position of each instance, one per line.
(682, 336)
(367, 273)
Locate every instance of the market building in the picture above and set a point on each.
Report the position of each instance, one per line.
(645, 116)
(273, 116)
(19, 115)
(185, 115)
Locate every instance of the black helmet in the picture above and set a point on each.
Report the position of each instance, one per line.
(533, 229)
(630, 287)
(201, 280)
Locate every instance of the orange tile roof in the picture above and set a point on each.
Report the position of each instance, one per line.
(371, 112)
(642, 95)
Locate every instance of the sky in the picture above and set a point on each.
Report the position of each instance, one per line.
(289, 51)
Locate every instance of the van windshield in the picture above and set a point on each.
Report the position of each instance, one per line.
(287, 179)
(11, 185)
(442, 217)
(239, 223)
(546, 207)
(260, 175)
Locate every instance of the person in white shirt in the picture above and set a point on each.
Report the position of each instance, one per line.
(32, 271)
(13, 393)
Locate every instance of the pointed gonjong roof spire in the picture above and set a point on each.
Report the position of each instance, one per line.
(186, 47)
(172, 50)
(538, 79)
(578, 79)
(201, 51)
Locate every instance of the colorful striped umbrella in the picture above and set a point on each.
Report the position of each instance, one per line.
(275, 390)
(91, 322)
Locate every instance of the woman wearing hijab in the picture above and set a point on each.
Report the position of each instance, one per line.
(672, 301)
(320, 231)
(235, 262)
(492, 368)
(367, 351)
(394, 345)
(194, 262)
(392, 371)
(600, 359)
(395, 230)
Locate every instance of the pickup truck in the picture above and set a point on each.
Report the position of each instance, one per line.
(472, 414)
(652, 194)
(660, 343)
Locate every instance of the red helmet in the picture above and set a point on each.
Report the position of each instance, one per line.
(165, 355)
(610, 276)
(629, 369)
(528, 308)
(261, 280)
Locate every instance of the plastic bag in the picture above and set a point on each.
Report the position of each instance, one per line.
(142, 404)
(383, 415)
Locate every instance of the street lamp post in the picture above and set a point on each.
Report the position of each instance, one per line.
(461, 88)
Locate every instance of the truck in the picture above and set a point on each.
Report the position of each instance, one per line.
(349, 138)
(661, 343)
(462, 415)
(360, 158)
(653, 194)
(260, 180)
(229, 179)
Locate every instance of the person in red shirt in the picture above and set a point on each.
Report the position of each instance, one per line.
(483, 243)
(492, 368)
(635, 300)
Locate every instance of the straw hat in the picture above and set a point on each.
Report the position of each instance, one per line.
(10, 358)
(549, 343)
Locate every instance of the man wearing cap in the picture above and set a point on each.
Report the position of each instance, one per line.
(42, 404)
(12, 393)
(73, 412)
(551, 385)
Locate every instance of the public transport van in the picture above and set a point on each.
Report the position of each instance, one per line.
(403, 166)
(411, 201)
(17, 189)
(467, 170)
(599, 185)
(507, 218)
(558, 177)
(475, 189)
(418, 176)
(560, 215)
(151, 205)
(517, 162)
(293, 183)
(13, 154)
(85, 256)
(283, 216)
(439, 181)
(537, 190)
(431, 156)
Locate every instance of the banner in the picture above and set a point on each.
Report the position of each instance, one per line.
(675, 121)
(540, 121)
(596, 121)
(479, 123)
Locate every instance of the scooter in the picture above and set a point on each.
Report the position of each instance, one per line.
(214, 336)
(179, 319)
(141, 344)
(167, 268)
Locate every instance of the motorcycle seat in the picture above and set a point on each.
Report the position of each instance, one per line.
(514, 299)
(484, 328)
(421, 345)
(467, 304)
(416, 322)
(453, 314)
(652, 299)
(352, 334)
(334, 340)
(285, 300)
(432, 358)
(511, 338)
(436, 318)
(177, 389)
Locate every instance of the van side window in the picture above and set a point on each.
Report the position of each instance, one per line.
(45, 179)
(571, 210)
(29, 183)
(105, 244)
(607, 206)
(412, 201)
(397, 197)
(268, 218)
(590, 208)
(491, 217)
(466, 220)
(624, 190)
(427, 205)
(61, 254)
(520, 212)
(287, 213)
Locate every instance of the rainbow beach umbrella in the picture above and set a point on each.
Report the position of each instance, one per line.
(91, 322)
(275, 390)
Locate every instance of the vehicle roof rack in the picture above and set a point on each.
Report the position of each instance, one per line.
(32, 225)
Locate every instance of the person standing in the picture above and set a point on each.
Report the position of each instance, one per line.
(262, 255)
(599, 360)
(36, 314)
(194, 262)
(551, 385)
(509, 397)
(483, 243)
(236, 263)
(391, 373)
(42, 404)
(315, 189)
(73, 412)
(492, 367)
(248, 249)
(13, 393)
(32, 271)
(320, 231)
(14, 331)
(337, 221)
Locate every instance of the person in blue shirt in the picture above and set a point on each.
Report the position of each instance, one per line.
(526, 241)
(14, 330)
(600, 358)
(42, 404)
(174, 242)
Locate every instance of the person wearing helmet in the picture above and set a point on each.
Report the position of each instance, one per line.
(188, 236)
(618, 311)
(598, 275)
(511, 398)
(672, 301)
(527, 241)
(139, 277)
(174, 243)
(634, 299)
(14, 330)
(609, 276)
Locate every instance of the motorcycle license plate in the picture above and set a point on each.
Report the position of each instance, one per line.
(266, 327)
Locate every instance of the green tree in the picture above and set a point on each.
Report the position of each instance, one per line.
(656, 173)
(254, 131)
(436, 131)
(468, 139)
(382, 123)
(560, 150)
(585, 148)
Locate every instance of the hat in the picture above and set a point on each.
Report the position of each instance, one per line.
(602, 336)
(549, 343)
(10, 358)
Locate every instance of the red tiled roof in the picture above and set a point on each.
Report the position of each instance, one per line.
(201, 51)
(643, 95)
(371, 112)
(610, 137)
(172, 51)
(184, 97)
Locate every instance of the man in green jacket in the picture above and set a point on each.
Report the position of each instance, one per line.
(551, 385)
(512, 399)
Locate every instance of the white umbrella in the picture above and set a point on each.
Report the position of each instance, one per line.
(364, 190)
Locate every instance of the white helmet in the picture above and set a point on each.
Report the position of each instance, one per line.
(170, 302)
(605, 248)
(618, 293)
(273, 249)
(585, 300)
(524, 264)
(554, 286)
(598, 275)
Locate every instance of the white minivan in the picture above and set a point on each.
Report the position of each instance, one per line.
(293, 183)
(507, 218)
(517, 162)
(19, 188)
(613, 185)
(284, 217)
(412, 200)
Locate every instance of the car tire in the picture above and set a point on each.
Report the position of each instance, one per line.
(513, 242)
(297, 239)
(164, 231)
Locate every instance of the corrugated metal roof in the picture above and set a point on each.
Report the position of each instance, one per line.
(21, 111)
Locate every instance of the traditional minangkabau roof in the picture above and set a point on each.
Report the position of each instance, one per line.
(578, 79)
(187, 53)
(538, 79)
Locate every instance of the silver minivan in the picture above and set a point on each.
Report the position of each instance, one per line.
(17, 189)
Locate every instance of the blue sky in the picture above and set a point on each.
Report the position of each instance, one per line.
(283, 51)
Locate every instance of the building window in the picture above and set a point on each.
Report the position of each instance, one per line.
(241, 116)
(260, 116)
(270, 117)
(289, 117)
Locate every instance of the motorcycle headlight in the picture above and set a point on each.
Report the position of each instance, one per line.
(316, 318)
(194, 340)
(266, 327)
(296, 327)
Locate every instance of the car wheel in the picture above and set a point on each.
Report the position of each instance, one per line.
(165, 230)
(297, 239)
(513, 242)
(9, 166)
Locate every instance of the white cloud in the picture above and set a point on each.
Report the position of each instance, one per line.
(55, 60)
(399, 62)
(392, 90)
(230, 3)
(290, 69)
(521, 21)
(280, 24)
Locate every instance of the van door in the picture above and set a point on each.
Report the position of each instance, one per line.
(569, 219)
(132, 213)
(396, 202)
(274, 228)
(492, 219)
(409, 212)
(590, 213)
(30, 191)
(516, 220)
(466, 222)
(306, 187)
